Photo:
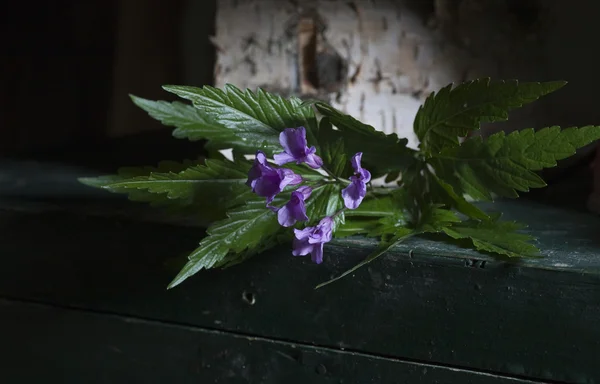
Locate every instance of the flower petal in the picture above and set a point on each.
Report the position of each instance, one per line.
(293, 141)
(355, 161)
(317, 253)
(301, 247)
(285, 217)
(288, 177)
(303, 234)
(256, 170)
(313, 161)
(305, 191)
(354, 193)
(283, 158)
(261, 158)
(297, 208)
(326, 225)
(364, 175)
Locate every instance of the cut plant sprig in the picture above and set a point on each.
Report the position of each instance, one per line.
(318, 184)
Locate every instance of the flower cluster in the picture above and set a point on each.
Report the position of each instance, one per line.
(268, 181)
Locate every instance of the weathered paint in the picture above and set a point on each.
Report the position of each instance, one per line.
(438, 304)
(74, 346)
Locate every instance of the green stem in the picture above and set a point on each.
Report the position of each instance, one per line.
(332, 174)
(338, 213)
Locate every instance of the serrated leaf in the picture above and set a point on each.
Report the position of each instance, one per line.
(388, 226)
(246, 231)
(383, 247)
(540, 149)
(495, 236)
(243, 229)
(332, 147)
(436, 219)
(190, 123)
(257, 118)
(233, 258)
(131, 173)
(378, 206)
(445, 193)
(210, 188)
(453, 112)
(355, 226)
(503, 164)
(213, 179)
(381, 153)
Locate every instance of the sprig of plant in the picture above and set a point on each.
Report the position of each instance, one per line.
(317, 185)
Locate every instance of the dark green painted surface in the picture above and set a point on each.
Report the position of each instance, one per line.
(48, 344)
(535, 319)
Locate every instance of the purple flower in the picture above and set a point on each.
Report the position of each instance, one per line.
(294, 210)
(354, 193)
(311, 240)
(267, 181)
(293, 141)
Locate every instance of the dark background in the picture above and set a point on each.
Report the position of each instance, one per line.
(67, 68)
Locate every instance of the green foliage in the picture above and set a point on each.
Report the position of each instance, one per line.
(192, 124)
(118, 183)
(381, 153)
(454, 112)
(333, 150)
(209, 189)
(433, 182)
(243, 229)
(257, 118)
(498, 237)
(248, 230)
(446, 194)
(504, 164)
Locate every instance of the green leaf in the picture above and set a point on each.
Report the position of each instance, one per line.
(495, 236)
(436, 219)
(192, 124)
(445, 193)
(387, 226)
(504, 164)
(257, 118)
(452, 113)
(543, 148)
(376, 216)
(325, 201)
(210, 188)
(355, 226)
(113, 183)
(243, 229)
(267, 243)
(248, 230)
(332, 149)
(381, 153)
(378, 206)
(400, 235)
(216, 178)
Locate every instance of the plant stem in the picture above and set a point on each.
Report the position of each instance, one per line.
(332, 174)
(338, 213)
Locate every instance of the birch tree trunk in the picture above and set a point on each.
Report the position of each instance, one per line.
(376, 60)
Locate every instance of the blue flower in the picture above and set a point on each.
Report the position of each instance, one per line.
(311, 240)
(295, 209)
(268, 181)
(354, 193)
(293, 141)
